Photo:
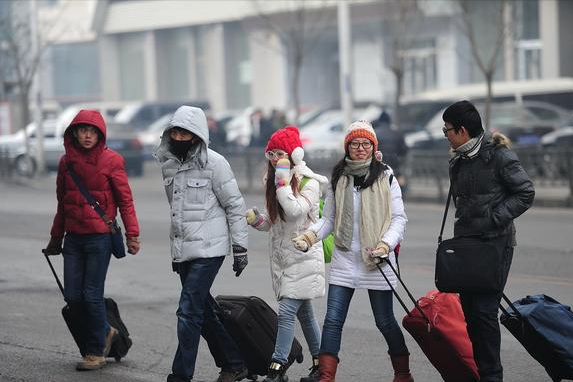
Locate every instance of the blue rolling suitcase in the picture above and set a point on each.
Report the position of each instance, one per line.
(545, 328)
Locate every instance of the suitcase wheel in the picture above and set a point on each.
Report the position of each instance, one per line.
(117, 359)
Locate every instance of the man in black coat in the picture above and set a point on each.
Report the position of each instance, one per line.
(490, 188)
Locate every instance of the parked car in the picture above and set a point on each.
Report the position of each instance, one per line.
(139, 115)
(524, 123)
(327, 131)
(119, 138)
(151, 137)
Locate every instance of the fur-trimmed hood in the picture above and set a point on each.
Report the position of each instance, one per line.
(501, 140)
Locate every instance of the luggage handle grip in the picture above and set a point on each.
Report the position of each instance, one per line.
(407, 291)
(509, 304)
(54, 272)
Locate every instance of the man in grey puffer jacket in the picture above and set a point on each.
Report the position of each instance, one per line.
(207, 223)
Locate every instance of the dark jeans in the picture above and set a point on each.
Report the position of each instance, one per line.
(337, 309)
(86, 259)
(481, 313)
(197, 316)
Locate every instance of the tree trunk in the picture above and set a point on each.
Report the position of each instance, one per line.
(487, 117)
(397, 96)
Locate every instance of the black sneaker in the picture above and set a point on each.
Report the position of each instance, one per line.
(232, 376)
(177, 378)
(276, 373)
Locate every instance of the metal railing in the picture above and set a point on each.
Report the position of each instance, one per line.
(551, 169)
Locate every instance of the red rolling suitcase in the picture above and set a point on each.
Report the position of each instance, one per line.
(253, 325)
(438, 325)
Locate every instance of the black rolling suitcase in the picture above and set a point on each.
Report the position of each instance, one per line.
(545, 329)
(253, 325)
(75, 321)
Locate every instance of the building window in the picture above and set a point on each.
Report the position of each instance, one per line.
(420, 67)
(132, 66)
(527, 43)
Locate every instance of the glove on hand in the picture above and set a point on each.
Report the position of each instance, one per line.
(282, 173)
(240, 259)
(239, 263)
(54, 247)
(133, 245)
(380, 253)
(305, 240)
(253, 216)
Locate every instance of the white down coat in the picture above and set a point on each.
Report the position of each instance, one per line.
(206, 207)
(347, 268)
(295, 274)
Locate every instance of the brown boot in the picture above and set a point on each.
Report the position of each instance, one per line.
(91, 362)
(401, 366)
(327, 364)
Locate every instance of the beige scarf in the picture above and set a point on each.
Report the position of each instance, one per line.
(375, 215)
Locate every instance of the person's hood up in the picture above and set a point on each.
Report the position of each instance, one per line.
(193, 120)
(90, 117)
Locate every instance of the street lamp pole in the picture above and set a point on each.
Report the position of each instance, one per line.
(345, 58)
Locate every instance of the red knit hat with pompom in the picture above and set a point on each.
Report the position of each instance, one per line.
(287, 140)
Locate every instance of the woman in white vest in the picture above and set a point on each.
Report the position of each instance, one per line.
(364, 210)
(292, 204)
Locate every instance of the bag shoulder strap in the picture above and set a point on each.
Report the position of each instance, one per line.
(445, 214)
(90, 199)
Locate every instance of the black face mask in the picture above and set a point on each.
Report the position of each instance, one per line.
(180, 148)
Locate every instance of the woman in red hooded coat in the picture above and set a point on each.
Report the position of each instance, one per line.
(87, 244)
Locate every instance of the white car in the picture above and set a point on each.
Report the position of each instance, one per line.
(327, 131)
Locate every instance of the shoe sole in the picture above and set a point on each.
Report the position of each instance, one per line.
(89, 368)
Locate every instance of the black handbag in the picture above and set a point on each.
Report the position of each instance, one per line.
(470, 263)
(117, 246)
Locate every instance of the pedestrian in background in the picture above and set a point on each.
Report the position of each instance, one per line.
(207, 223)
(292, 194)
(87, 245)
(490, 188)
(364, 210)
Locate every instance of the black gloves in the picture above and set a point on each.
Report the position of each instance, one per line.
(54, 247)
(240, 259)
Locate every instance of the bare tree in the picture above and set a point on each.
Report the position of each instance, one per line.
(400, 25)
(298, 26)
(483, 24)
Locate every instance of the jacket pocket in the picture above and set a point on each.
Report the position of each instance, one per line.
(197, 190)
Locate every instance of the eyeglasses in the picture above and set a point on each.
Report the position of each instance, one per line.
(445, 130)
(270, 155)
(87, 129)
(366, 145)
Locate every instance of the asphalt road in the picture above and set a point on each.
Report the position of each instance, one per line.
(35, 344)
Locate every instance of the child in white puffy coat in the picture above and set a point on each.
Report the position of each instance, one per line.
(297, 277)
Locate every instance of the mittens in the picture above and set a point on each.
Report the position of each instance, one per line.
(254, 218)
(282, 173)
(305, 240)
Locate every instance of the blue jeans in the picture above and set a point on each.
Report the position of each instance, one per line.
(86, 259)
(288, 309)
(337, 308)
(197, 316)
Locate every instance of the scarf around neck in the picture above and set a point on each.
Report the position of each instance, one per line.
(375, 209)
(469, 149)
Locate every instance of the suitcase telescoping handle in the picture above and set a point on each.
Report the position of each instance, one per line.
(509, 304)
(387, 261)
(54, 272)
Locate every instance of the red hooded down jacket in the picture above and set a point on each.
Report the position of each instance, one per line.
(103, 173)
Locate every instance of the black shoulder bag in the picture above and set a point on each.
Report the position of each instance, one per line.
(117, 246)
(470, 263)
